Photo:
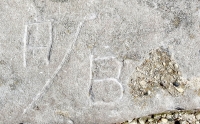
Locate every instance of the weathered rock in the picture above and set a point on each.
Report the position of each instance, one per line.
(93, 61)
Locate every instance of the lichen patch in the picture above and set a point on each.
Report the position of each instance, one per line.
(158, 71)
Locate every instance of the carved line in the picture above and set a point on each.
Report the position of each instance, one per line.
(91, 65)
(120, 70)
(25, 49)
(39, 47)
(65, 59)
(104, 58)
(50, 42)
(110, 79)
(35, 23)
(91, 82)
(50, 81)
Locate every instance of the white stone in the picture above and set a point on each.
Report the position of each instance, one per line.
(143, 83)
(133, 122)
(142, 121)
(181, 90)
(163, 120)
(198, 116)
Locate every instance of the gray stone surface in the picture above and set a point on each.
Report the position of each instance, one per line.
(97, 61)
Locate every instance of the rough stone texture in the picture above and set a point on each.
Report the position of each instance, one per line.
(73, 61)
(170, 117)
(157, 72)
